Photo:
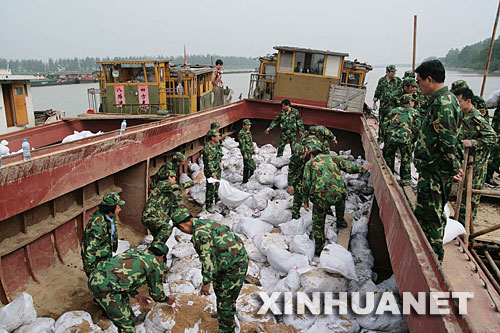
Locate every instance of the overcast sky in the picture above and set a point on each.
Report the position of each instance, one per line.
(373, 31)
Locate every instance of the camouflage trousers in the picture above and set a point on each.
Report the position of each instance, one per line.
(286, 137)
(433, 192)
(248, 168)
(212, 191)
(494, 162)
(382, 114)
(88, 269)
(389, 151)
(479, 176)
(117, 307)
(298, 200)
(320, 209)
(227, 286)
(160, 229)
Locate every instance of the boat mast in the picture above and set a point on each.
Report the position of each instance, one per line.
(490, 51)
(414, 41)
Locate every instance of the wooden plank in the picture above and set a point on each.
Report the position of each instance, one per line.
(410, 195)
(344, 235)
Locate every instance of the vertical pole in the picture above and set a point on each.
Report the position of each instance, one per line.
(491, 50)
(415, 41)
(468, 200)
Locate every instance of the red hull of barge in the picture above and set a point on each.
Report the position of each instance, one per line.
(62, 185)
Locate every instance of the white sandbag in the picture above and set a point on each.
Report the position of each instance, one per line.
(182, 250)
(181, 287)
(73, 320)
(389, 285)
(493, 100)
(334, 324)
(20, 311)
(40, 325)
(267, 149)
(123, 246)
(291, 283)
(301, 244)
(360, 226)
(253, 252)
(265, 240)
(386, 322)
(4, 150)
(319, 280)
(265, 173)
(452, 230)
(284, 260)
(253, 269)
(277, 212)
(258, 201)
(184, 178)
(336, 259)
(184, 264)
(229, 143)
(281, 181)
(193, 167)
(161, 316)
(249, 303)
(300, 322)
(230, 196)
(198, 191)
(279, 162)
(252, 227)
(294, 227)
(269, 277)
(254, 185)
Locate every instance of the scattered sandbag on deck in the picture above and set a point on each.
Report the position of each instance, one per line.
(253, 227)
(294, 227)
(79, 135)
(291, 283)
(301, 244)
(4, 150)
(265, 240)
(249, 303)
(123, 246)
(161, 318)
(40, 325)
(265, 173)
(334, 324)
(184, 178)
(336, 259)
(386, 322)
(229, 143)
(300, 322)
(253, 252)
(281, 181)
(77, 322)
(182, 250)
(277, 212)
(279, 162)
(319, 280)
(230, 196)
(20, 311)
(452, 230)
(284, 260)
(181, 287)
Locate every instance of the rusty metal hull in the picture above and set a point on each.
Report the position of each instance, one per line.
(46, 203)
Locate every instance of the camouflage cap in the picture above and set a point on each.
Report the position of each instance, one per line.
(213, 132)
(180, 215)
(408, 81)
(158, 248)
(214, 125)
(459, 84)
(179, 157)
(409, 73)
(313, 130)
(391, 68)
(406, 98)
(112, 199)
(247, 122)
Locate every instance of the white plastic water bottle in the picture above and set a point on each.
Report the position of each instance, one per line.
(26, 151)
(123, 127)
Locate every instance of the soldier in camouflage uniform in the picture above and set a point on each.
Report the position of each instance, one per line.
(402, 124)
(100, 237)
(247, 150)
(479, 136)
(478, 102)
(410, 74)
(494, 162)
(212, 162)
(171, 165)
(114, 280)
(311, 138)
(386, 85)
(290, 122)
(324, 186)
(420, 99)
(326, 136)
(224, 262)
(409, 86)
(162, 203)
(437, 153)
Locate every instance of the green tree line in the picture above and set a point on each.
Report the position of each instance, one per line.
(474, 56)
(88, 64)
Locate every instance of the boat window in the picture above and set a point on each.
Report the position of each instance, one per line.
(150, 72)
(131, 73)
(354, 79)
(270, 70)
(18, 91)
(317, 63)
(298, 67)
(332, 66)
(286, 60)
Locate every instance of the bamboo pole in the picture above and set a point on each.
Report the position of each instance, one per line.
(461, 184)
(486, 271)
(490, 51)
(487, 192)
(468, 200)
(485, 231)
(414, 41)
(492, 264)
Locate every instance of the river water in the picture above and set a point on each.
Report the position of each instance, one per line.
(73, 98)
